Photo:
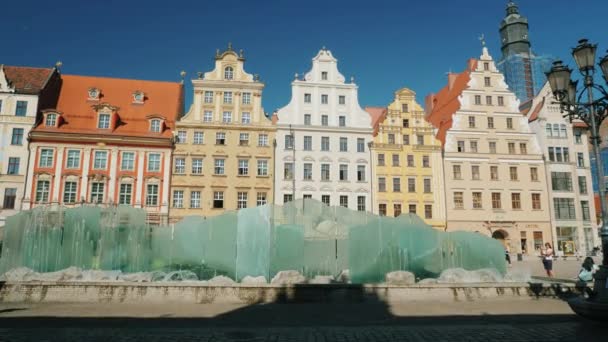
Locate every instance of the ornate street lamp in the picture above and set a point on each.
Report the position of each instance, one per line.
(592, 111)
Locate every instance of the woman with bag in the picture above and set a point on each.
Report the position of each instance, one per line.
(588, 270)
(547, 256)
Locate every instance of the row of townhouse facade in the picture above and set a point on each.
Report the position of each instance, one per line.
(470, 161)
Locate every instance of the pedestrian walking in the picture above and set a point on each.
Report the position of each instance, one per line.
(547, 256)
(508, 256)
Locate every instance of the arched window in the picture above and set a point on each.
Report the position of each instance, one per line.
(228, 73)
(155, 126)
(564, 132)
(548, 129)
(51, 120)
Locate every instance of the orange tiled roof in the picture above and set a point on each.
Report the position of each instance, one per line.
(441, 106)
(164, 99)
(537, 109)
(27, 80)
(378, 114)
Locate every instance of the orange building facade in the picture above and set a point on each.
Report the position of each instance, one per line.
(108, 142)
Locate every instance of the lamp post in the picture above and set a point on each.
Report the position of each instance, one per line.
(592, 110)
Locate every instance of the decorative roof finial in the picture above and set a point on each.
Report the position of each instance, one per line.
(482, 39)
(256, 77)
(229, 46)
(296, 76)
(352, 79)
(199, 75)
(241, 53)
(217, 52)
(324, 48)
(58, 64)
(183, 75)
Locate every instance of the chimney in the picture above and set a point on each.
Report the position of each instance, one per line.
(429, 103)
(451, 79)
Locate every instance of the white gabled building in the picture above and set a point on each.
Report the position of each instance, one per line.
(565, 146)
(322, 140)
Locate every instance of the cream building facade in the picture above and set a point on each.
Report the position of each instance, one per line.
(407, 164)
(495, 179)
(565, 146)
(223, 157)
(322, 140)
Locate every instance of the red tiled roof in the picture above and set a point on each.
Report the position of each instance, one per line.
(378, 114)
(579, 124)
(163, 99)
(537, 109)
(27, 79)
(441, 106)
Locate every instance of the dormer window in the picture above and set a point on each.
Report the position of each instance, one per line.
(155, 126)
(51, 120)
(324, 75)
(228, 73)
(138, 97)
(94, 94)
(103, 121)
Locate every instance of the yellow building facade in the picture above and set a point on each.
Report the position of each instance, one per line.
(407, 164)
(223, 158)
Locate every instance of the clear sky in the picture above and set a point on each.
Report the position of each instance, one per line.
(384, 44)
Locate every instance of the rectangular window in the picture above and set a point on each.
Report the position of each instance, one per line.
(410, 160)
(13, 166)
(478, 99)
(342, 121)
(492, 145)
(489, 100)
(324, 99)
(456, 172)
(324, 143)
(43, 188)
(97, 190)
(491, 123)
(381, 184)
(412, 209)
(427, 186)
(344, 201)
(73, 159)
(523, 148)
(289, 141)
(420, 139)
(324, 120)
(360, 145)
(473, 146)
(178, 198)
(406, 139)
(343, 172)
(154, 162)
(342, 99)
(585, 210)
(208, 116)
(288, 171)
(460, 146)
(263, 140)
(501, 101)
(17, 137)
(46, 158)
(69, 192)
(513, 172)
(558, 154)
(405, 107)
(382, 209)
(307, 98)
(561, 181)
(218, 166)
(262, 167)
(261, 198)
(227, 117)
(487, 82)
(287, 198)
(496, 203)
(218, 199)
(360, 203)
(551, 154)
(241, 201)
(395, 160)
(360, 173)
(428, 211)
(486, 66)
(534, 174)
(510, 123)
(228, 97)
(380, 159)
(396, 184)
(536, 201)
(494, 173)
(10, 197)
(406, 123)
(246, 98)
(245, 117)
(307, 119)
(475, 172)
(580, 159)
(515, 201)
(566, 155)
(411, 185)
(21, 109)
(582, 185)
(564, 208)
(124, 195)
(477, 200)
(208, 96)
(578, 137)
(104, 121)
(220, 138)
(343, 144)
(181, 137)
(307, 143)
(396, 209)
(511, 147)
(325, 173)
(195, 199)
(197, 166)
(471, 122)
(458, 200)
(243, 139)
(199, 138)
(152, 194)
(307, 171)
(100, 161)
(426, 161)
(180, 165)
(391, 138)
(325, 199)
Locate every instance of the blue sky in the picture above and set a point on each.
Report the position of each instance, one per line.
(384, 44)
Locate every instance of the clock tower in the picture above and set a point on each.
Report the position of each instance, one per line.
(514, 32)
